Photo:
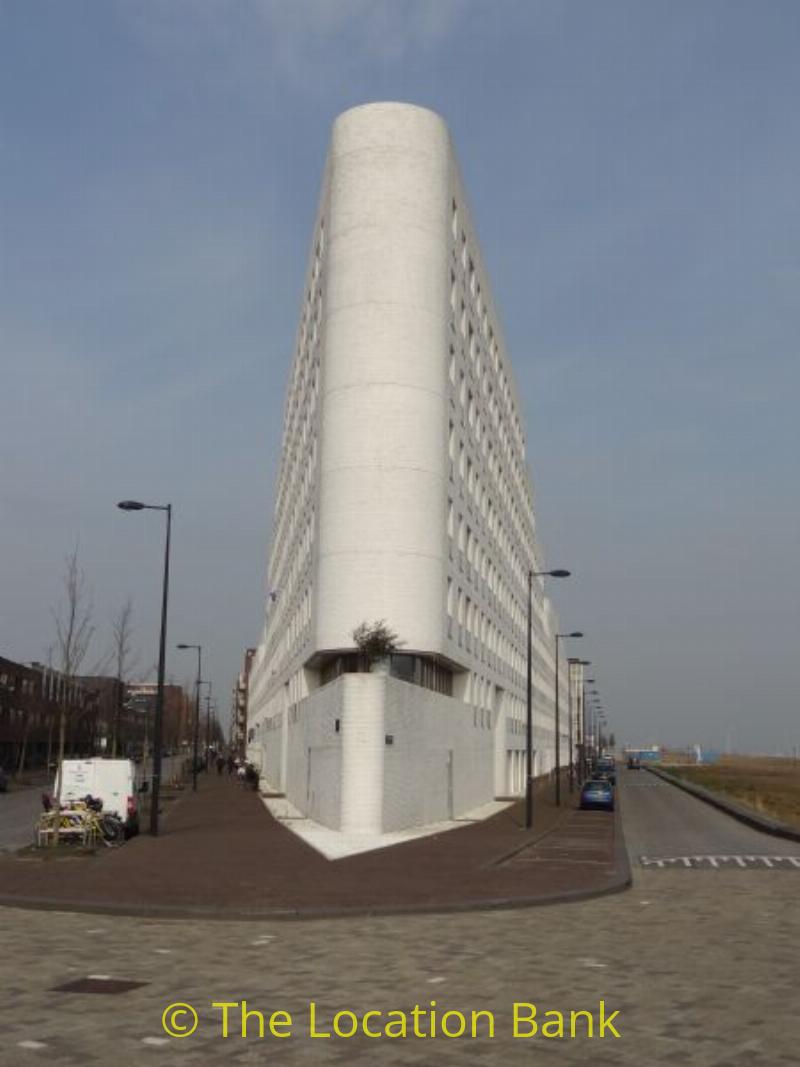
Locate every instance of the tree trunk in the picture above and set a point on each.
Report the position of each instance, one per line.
(62, 737)
(23, 747)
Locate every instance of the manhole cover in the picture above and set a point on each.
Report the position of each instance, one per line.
(98, 985)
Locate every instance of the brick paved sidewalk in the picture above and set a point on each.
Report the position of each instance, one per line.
(221, 854)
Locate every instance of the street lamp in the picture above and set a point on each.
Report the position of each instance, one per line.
(196, 729)
(575, 633)
(576, 722)
(583, 722)
(208, 726)
(208, 700)
(529, 722)
(591, 702)
(158, 725)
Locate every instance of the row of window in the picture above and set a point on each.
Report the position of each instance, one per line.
(13, 682)
(299, 453)
(472, 302)
(494, 389)
(416, 670)
(513, 490)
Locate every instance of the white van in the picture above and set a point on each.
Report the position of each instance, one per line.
(110, 780)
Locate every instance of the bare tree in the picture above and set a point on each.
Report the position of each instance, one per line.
(74, 632)
(121, 630)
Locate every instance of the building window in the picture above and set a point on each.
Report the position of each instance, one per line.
(422, 671)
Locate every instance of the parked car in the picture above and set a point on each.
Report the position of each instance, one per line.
(634, 763)
(110, 780)
(597, 794)
(607, 768)
(3, 781)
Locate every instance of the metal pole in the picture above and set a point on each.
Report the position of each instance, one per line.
(529, 723)
(208, 722)
(586, 736)
(558, 738)
(570, 674)
(196, 730)
(579, 727)
(159, 717)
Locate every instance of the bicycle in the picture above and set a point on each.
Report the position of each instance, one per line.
(82, 820)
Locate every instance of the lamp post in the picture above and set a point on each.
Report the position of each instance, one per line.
(529, 716)
(207, 698)
(576, 721)
(208, 725)
(589, 728)
(196, 729)
(597, 717)
(575, 633)
(581, 723)
(158, 725)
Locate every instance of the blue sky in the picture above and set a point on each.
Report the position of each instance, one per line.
(633, 169)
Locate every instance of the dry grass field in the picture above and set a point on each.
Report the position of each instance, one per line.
(769, 784)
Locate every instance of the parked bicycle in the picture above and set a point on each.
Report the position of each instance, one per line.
(81, 820)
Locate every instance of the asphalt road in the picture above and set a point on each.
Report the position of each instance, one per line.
(19, 809)
(18, 813)
(663, 821)
(701, 965)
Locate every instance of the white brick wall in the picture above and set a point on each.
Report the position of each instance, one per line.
(440, 763)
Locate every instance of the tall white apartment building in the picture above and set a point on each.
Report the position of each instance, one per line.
(403, 495)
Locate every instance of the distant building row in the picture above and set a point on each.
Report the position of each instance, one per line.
(102, 715)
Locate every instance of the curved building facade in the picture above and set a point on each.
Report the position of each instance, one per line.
(403, 495)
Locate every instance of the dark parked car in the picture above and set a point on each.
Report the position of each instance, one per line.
(607, 768)
(633, 763)
(3, 781)
(597, 794)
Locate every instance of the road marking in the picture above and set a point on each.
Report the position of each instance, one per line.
(31, 1044)
(435, 981)
(716, 861)
(155, 1041)
(592, 963)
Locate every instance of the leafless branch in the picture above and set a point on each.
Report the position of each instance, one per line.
(73, 618)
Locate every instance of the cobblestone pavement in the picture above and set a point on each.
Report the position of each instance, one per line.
(701, 964)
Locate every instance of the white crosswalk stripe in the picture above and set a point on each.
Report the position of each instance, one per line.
(718, 862)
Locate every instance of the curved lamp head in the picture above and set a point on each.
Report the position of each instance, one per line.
(558, 574)
(131, 505)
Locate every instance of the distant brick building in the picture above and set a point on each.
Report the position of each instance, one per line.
(141, 703)
(31, 701)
